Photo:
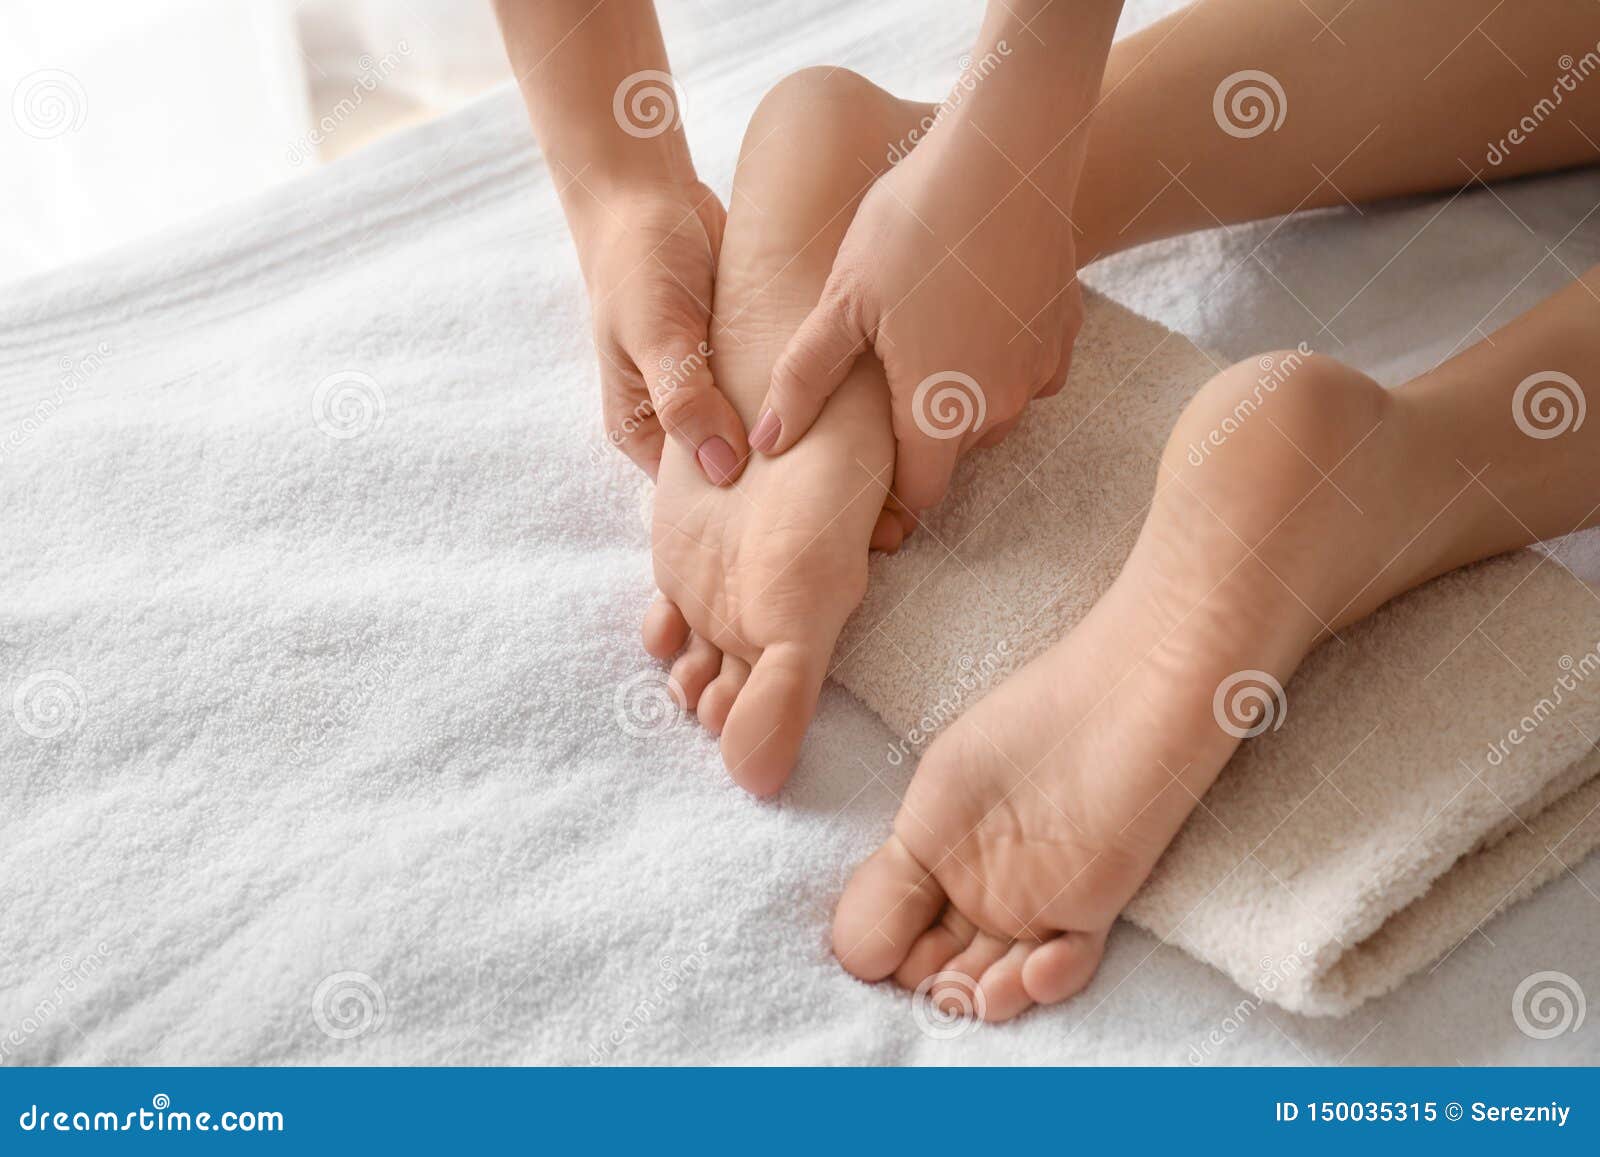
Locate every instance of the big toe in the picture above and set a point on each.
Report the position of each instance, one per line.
(761, 738)
(888, 904)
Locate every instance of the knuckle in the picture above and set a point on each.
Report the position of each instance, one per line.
(626, 414)
(844, 283)
(846, 297)
(639, 451)
(1010, 403)
(808, 360)
(678, 407)
(789, 377)
(1055, 349)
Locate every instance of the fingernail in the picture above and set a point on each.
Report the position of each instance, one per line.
(765, 435)
(717, 460)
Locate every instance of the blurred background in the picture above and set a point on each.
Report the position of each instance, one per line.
(126, 118)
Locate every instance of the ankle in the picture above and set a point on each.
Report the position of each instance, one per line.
(1456, 486)
(1520, 457)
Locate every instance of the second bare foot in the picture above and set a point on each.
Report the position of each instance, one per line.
(1035, 818)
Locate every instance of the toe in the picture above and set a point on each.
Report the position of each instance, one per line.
(665, 629)
(1002, 994)
(934, 948)
(718, 699)
(767, 722)
(890, 901)
(695, 668)
(1061, 967)
(961, 975)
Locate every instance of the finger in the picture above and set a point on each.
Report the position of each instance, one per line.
(967, 432)
(1058, 380)
(693, 411)
(996, 434)
(643, 446)
(812, 365)
(909, 521)
(922, 469)
(887, 534)
(906, 518)
(630, 418)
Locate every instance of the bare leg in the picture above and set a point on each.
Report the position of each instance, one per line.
(765, 607)
(1033, 820)
(1392, 97)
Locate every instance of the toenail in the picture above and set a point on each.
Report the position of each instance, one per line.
(717, 460)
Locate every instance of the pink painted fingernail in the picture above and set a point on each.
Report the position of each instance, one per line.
(717, 460)
(765, 435)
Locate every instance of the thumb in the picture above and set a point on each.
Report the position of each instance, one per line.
(812, 365)
(694, 412)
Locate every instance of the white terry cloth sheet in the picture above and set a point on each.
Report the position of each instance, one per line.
(347, 760)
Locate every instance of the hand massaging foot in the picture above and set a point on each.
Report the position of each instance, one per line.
(758, 578)
(1034, 819)
(1031, 822)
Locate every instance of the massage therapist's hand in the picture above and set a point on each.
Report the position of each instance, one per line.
(649, 259)
(594, 76)
(958, 269)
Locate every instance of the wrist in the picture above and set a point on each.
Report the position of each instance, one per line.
(1000, 128)
(616, 225)
(591, 174)
(1033, 78)
(597, 203)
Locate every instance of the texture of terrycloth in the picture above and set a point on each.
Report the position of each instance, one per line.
(1385, 816)
(374, 707)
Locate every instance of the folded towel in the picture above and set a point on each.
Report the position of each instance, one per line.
(1437, 762)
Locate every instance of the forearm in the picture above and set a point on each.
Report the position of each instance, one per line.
(602, 126)
(1389, 99)
(1030, 88)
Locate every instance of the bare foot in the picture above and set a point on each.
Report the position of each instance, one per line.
(758, 578)
(767, 571)
(1035, 818)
